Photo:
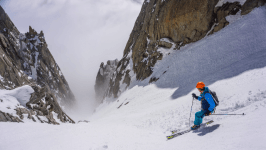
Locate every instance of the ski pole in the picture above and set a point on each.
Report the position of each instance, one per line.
(228, 114)
(191, 110)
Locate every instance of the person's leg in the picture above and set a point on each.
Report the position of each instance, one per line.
(198, 117)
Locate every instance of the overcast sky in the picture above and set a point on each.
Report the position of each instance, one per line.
(80, 34)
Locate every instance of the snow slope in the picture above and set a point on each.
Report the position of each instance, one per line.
(143, 124)
(232, 62)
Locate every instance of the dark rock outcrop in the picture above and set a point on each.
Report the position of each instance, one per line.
(222, 12)
(6, 117)
(43, 103)
(165, 44)
(250, 5)
(103, 79)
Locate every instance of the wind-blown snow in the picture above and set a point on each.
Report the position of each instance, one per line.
(232, 62)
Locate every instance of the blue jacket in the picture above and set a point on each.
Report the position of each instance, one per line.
(207, 102)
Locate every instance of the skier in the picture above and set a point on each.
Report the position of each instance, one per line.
(207, 104)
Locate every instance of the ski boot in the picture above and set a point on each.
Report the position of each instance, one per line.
(195, 127)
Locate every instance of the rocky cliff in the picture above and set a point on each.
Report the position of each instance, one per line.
(26, 60)
(103, 79)
(170, 24)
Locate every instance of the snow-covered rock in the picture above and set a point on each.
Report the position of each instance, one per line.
(30, 103)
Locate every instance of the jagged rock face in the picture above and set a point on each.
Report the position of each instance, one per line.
(121, 74)
(6, 117)
(222, 12)
(182, 22)
(25, 59)
(168, 23)
(250, 5)
(103, 79)
(43, 102)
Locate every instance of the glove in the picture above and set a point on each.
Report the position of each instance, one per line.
(194, 96)
(207, 113)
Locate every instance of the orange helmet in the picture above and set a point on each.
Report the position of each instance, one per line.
(200, 85)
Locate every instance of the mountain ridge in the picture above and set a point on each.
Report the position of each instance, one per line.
(26, 60)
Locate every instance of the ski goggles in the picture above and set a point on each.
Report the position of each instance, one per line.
(200, 89)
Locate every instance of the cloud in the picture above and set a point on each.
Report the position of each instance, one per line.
(80, 34)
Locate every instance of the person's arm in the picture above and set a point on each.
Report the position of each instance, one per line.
(210, 100)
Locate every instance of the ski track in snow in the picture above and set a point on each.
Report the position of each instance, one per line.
(148, 112)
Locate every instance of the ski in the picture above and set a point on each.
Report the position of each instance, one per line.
(175, 134)
(206, 123)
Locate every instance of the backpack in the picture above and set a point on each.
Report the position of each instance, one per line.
(214, 97)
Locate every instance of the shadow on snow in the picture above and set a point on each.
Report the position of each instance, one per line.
(206, 130)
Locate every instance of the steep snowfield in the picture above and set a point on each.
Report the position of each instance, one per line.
(232, 62)
(145, 121)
